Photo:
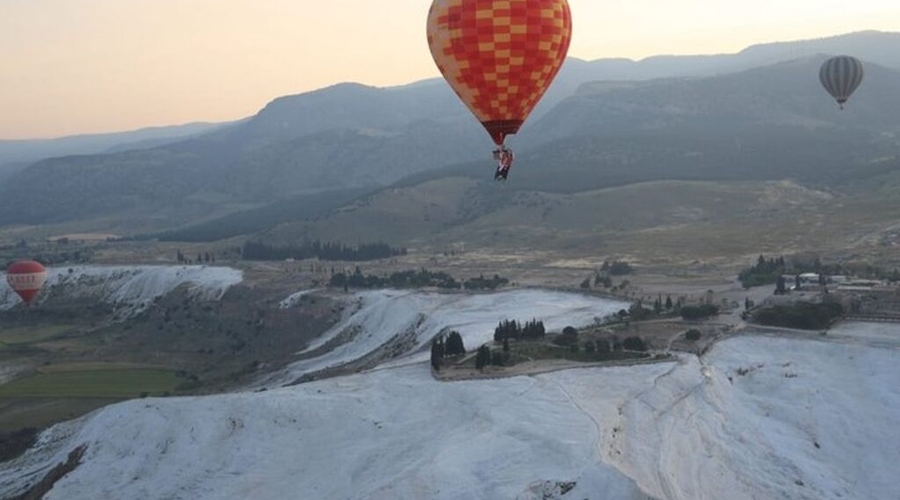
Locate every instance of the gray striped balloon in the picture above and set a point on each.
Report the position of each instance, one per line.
(841, 76)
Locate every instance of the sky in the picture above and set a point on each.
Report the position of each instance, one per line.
(91, 66)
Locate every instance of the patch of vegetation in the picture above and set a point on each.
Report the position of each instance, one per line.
(601, 352)
(765, 272)
(616, 268)
(636, 344)
(335, 251)
(13, 444)
(441, 347)
(801, 315)
(699, 312)
(20, 413)
(482, 283)
(507, 329)
(403, 279)
(693, 335)
(127, 383)
(27, 335)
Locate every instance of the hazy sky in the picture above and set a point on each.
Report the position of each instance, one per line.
(84, 66)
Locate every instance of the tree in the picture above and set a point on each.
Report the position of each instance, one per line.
(669, 304)
(454, 344)
(634, 344)
(436, 354)
(780, 286)
(586, 283)
(483, 358)
(506, 345)
(496, 358)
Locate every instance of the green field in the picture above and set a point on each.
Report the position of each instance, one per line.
(18, 413)
(14, 336)
(120, 383)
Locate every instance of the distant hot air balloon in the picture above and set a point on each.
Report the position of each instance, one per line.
(841, 76)
(26, 277)
(499, 56)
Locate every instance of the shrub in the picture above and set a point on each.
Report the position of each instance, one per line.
(566, 340)
(634, 344)
(693, 335)
(699, 312)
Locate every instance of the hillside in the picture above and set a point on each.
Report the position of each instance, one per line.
(675, 222)
(669, 430)
(353, 136)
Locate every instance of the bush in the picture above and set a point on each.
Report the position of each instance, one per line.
(634, 344)
(693, 335)
(699, 312)
(566, 340)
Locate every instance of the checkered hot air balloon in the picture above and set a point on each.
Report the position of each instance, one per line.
(499, 56)
(26, 277)
(841, 77)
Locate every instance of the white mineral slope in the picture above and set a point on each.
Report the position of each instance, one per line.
(380, 316)
(132, 288)
(807, 419)
(392, 434)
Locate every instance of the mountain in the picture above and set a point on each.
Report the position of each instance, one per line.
(626, 166)
(343, 137)
(29, 151)
(873, 46)
(603, 124)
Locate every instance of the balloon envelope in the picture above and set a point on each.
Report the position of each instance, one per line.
(841, 77)
(499, 56)
(26, 277)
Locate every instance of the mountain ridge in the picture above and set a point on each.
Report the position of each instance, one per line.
(352, 136)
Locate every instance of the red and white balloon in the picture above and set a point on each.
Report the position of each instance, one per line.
(26, 278)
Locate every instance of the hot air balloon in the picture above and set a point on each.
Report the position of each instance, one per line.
(499, 56)
(26, 277)
(841, 76)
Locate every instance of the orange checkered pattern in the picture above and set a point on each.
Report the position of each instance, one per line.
(499, 56)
